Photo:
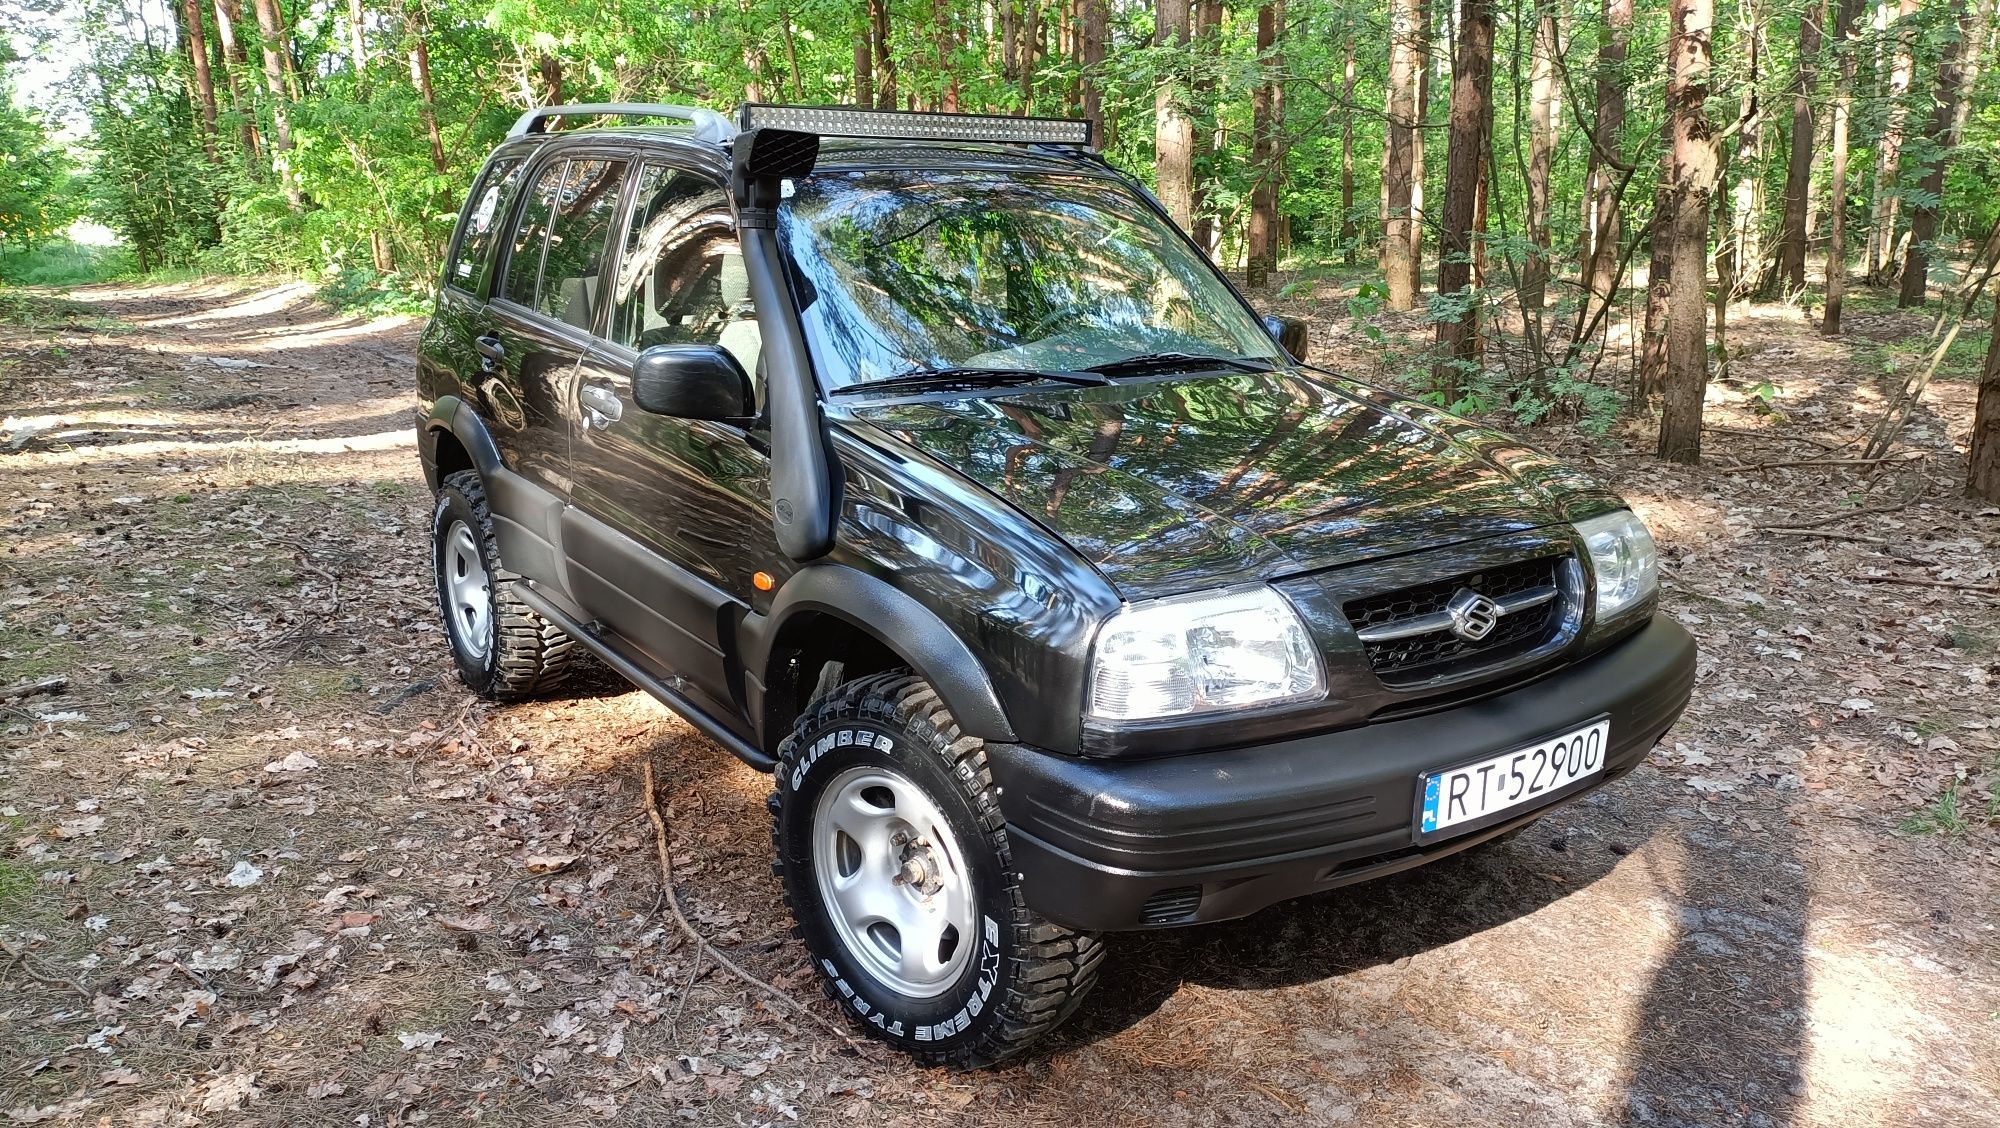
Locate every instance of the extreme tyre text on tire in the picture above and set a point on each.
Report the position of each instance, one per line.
(1024, 975)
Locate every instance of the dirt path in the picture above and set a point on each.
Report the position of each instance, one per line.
(265, 862)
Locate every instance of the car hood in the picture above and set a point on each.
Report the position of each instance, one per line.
(1174, 485)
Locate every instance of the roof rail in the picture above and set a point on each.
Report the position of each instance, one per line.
(708, 125)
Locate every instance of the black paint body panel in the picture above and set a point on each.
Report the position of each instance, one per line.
(1263, 824)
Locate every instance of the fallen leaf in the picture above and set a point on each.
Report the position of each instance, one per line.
(294, 761)
(420, 1040)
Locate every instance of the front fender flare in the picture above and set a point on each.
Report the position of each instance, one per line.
(898, 622)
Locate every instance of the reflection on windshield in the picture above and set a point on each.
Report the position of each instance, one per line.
(934, 270)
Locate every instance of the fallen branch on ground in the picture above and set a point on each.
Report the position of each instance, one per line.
(701, 942)
(1816, 522)
(1857, 538)
(1775, 436)
(1919, 581)
(1912, 456)
(21, 957)
(55, 684)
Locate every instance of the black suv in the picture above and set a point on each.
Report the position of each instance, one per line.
(920, 460)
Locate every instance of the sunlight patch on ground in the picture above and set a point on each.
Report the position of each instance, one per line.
(87, 455)
(1863, 1038)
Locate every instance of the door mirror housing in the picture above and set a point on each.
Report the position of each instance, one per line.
(1289, 332)
(690, 382)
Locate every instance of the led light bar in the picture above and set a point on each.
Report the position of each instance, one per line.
(843, 121)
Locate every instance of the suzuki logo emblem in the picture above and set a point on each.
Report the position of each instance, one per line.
(1473, 616)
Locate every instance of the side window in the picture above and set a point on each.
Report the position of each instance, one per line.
(485, 210)
(681, 280)
(524, 260)
(577, 238)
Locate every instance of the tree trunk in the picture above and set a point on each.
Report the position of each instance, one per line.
(1746, 215)
(204, 78)
(1889, 151)
(1659, 283)
(236, 60)
(864, 60)
(1791, 272)
(1350, 232)
(1173, 133)
(1471, 94)
(1401, 269)
(1207, 16)
(885, 62)
(1544, 91)
(275, 46)
(420, 76)
(944, 30)
(1263, 251)
(1096, 31)
(1601, 221)
(1694, 157)
(1846, 31)
(1982, 478)
(1938, 133)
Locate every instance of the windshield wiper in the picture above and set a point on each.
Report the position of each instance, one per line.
(934, 379)
(1175, 362)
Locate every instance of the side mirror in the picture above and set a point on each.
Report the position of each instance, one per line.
(1290, 333)
(690, 382)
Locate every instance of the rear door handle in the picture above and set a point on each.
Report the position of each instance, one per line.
(601, 406)
(491, 352)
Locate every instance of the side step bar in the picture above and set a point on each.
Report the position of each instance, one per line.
(637, 671)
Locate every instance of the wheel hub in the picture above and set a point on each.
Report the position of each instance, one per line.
(893, 881)
(467, 596)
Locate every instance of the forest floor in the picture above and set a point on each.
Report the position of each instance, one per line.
(264, 861)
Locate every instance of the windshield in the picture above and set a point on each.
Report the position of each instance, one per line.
(907, 271)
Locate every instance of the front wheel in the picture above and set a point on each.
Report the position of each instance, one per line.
(896, 866)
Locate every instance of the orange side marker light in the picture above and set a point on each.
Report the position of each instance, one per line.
(763, 581)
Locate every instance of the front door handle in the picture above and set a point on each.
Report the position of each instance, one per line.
(601, 405)
(491, 352)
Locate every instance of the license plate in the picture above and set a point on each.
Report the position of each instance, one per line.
(1513, 780)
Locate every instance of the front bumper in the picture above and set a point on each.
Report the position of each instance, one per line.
(1115, 845)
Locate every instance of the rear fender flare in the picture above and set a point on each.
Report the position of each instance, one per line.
(451, 414)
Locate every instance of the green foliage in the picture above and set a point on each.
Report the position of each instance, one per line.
(63, 263)
(37, 196)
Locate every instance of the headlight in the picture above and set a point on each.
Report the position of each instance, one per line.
(1623, 559)
(1203, 653)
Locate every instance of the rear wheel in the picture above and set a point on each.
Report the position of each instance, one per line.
(896, 867)
(502, 649)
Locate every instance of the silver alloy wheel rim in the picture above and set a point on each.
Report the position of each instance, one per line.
(468, 597)
(893, 880)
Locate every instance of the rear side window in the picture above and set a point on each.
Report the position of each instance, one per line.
(484, 212)
(584, 212)
(524, 259)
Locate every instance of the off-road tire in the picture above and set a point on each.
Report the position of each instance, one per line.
(527, 655)
(1027, 976)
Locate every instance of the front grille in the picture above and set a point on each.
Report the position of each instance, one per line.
(1439, 652)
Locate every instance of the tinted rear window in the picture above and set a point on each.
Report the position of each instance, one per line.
(524, 261)
(485, 211)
